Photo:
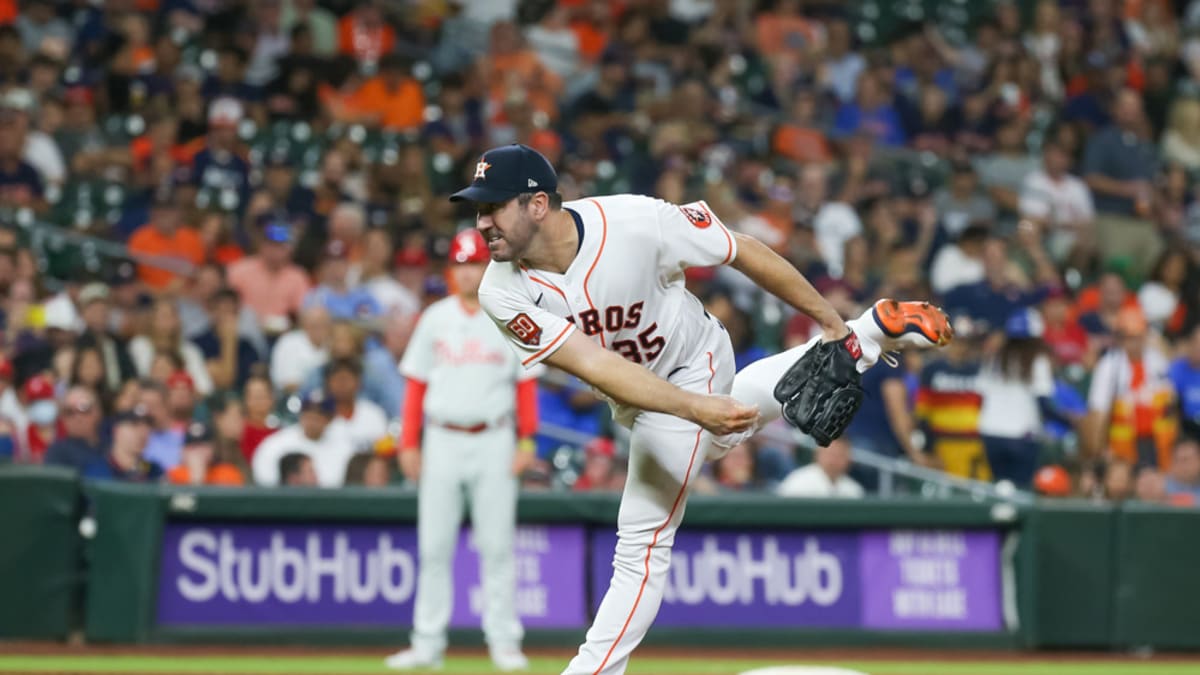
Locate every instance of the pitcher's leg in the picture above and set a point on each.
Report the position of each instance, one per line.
(493, 524)
(665, 456)
(439, 516)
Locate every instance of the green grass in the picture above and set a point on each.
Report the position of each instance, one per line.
(263, 665)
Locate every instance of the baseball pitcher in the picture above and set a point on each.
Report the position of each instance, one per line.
(478, 408)
(595, 287)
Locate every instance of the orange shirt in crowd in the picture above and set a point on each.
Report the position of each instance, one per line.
(364, 44)
(523, 71)
(8, 11)
(801, 144)
(399, 109)
(218, 474)
(775, 33)
(185, 244)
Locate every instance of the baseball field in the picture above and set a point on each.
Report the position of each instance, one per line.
(655, 661)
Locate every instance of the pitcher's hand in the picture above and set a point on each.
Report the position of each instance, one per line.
(722, 415)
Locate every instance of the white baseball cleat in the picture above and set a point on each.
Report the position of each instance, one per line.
(412, 659)
(899, 324)
(509, 660)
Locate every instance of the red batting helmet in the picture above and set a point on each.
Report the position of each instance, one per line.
(469, 247)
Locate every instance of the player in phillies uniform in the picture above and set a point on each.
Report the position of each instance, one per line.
(595, 287)
(478, 408)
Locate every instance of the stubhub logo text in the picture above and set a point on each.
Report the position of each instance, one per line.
(756, 570)
(214, 565)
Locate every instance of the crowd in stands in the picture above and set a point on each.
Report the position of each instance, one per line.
(275, 175)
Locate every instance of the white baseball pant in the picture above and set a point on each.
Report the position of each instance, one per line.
(665, 455)
(478, 468)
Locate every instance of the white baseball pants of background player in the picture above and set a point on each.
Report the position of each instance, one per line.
(665, 455)
(458, 467)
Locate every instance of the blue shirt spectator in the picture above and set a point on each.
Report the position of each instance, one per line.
(569, 405)
(871, 429)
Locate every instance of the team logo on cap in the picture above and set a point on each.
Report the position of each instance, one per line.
(481, 169)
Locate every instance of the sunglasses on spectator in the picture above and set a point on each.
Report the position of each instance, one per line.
(80, 409)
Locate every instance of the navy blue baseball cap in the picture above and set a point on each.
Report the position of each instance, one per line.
(505, 172)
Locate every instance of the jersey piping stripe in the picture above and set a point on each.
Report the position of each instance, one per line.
(547, 285)
(723, 229)
(566, 329)
(650, 549)
(603, 239)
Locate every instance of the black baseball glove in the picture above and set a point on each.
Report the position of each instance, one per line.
(821, 391)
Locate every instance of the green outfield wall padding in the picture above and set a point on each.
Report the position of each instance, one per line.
(1158, 577)
(1072, 549)
(40, 572)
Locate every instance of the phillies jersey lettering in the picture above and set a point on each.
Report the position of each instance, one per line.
(461, 357)
(640, 247)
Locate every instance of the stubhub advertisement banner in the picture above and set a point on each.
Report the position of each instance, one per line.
(263, 574)
(283, 574)
(879, 580)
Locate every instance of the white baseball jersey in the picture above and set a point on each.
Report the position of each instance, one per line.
(639, 246)
(468, 371)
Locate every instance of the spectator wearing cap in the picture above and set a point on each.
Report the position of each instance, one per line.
(21, 186)
(301, 351)
(41, 414)
(181, 398)
(230, 357)
(1060, 204)
(39, 149)
(600, 471)
(321, 24)
(165, 441)
(296, 470)
(166, 248)
(335, 293)
(268, 282)
(261, 420)
(1067, 340)
(96, 311)
(80, 443)
(202, 463)
(165, 335)
(1132, 412)
(125, 459)
(826, 476)
(220, 166)
(357, 419)
(1119, 165)
(391, 100)
(310, 436)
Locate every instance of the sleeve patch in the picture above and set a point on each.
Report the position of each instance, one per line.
(525, 329)
(697, 215)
